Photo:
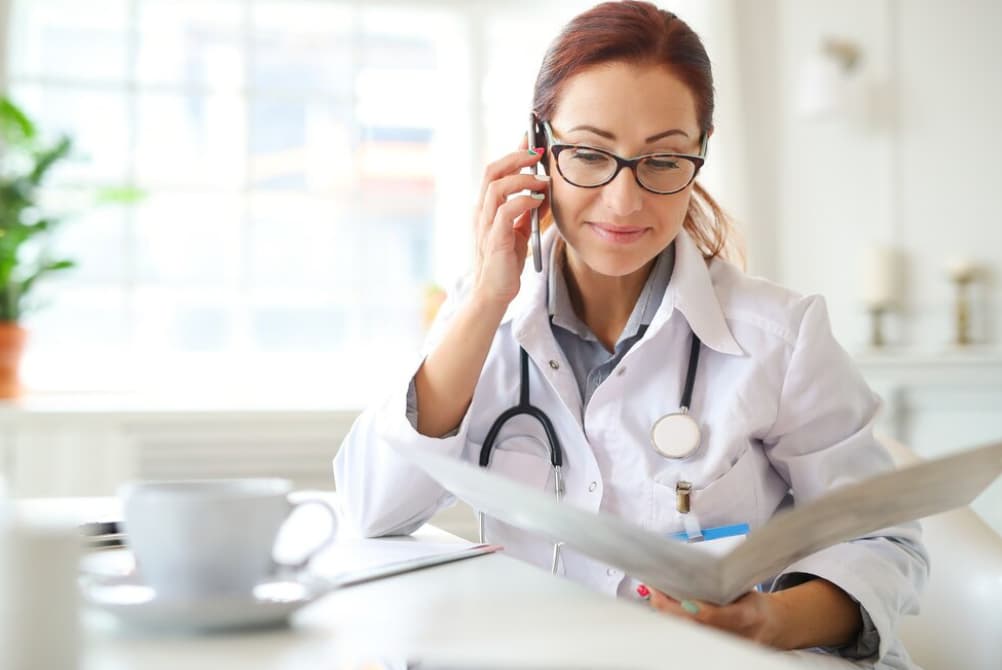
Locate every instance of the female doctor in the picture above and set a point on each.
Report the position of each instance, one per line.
(634, 286)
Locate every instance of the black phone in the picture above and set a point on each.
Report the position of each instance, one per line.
(103, 534)
(535, 243)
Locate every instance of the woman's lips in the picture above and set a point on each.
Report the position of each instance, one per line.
(617, 234)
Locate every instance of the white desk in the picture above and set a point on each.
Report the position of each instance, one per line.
(492, 609)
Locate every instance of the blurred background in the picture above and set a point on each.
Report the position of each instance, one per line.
(306, 171)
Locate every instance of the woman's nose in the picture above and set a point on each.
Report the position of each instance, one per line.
(623, 195)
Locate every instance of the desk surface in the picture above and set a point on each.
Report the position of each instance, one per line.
(491, 611)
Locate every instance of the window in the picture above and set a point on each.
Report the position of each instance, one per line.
(308, 169)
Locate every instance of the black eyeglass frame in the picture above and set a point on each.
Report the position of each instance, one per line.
(555, 148)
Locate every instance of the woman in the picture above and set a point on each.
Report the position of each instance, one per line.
(633, 273)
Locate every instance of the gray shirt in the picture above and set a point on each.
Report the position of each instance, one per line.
(591, 362)
(588, 357)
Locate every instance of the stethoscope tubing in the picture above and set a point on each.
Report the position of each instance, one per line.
(524, 406)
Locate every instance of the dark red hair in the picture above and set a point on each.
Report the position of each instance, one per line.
(642, 34)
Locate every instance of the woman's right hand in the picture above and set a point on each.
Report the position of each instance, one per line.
(503, 226)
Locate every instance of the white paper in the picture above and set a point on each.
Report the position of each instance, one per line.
(684, 572)
(353, 561)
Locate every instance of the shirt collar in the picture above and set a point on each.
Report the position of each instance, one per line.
(690, 290)
(561, 310)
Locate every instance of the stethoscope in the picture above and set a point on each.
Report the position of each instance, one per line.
(675, 435)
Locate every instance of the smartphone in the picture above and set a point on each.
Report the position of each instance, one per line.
(103, 534)
(534, 136)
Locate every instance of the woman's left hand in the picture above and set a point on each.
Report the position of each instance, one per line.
(815, 613)
(755, 616)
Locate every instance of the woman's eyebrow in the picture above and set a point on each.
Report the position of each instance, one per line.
(609, 136)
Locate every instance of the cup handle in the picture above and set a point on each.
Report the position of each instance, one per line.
(328, 541)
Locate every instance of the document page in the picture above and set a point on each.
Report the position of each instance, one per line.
(353, 561)
(682, 571)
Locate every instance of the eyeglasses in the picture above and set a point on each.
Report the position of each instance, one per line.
(590, 167)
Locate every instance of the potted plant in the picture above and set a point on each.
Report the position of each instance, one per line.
(25, 161)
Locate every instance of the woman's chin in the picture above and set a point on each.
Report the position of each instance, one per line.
(614, 263)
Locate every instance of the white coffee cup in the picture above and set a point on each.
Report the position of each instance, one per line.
(213, 537)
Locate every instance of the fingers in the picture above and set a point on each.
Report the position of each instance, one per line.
(498, 192)
(507, 165)
(746, 616)
(693, 609)
(512, 216)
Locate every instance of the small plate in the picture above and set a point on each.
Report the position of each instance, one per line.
(110, 582)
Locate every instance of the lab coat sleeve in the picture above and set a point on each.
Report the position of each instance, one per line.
(380, 493)
(822, 439)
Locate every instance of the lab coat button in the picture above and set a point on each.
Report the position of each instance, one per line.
(611, 572)
(592, 487)
(555, 365)
(620, 372)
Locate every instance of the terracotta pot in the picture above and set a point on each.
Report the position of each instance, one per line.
(12, 339)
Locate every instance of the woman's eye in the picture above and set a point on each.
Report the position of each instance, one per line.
(590, 157)
(664, 163)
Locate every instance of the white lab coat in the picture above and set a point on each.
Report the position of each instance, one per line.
(781, 406)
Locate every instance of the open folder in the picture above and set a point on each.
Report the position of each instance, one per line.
(681, 570)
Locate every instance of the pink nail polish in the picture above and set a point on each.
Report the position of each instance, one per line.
(643, 591)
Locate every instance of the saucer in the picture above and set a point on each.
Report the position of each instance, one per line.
(110, 582)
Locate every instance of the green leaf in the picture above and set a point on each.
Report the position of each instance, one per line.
(15, 126)
(46, 158)
(119, 195)
(44, 269)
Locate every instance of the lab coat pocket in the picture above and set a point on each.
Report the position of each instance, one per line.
(730, 498)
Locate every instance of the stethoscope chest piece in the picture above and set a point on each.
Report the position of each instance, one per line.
(675, 435)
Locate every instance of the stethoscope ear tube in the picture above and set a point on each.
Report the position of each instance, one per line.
(525, 407)
(677, 435)
(552, 441)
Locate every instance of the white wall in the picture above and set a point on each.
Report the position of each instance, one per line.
(951, 146)
(922, 173)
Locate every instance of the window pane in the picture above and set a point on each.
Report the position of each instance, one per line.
(168, 320)
(97, 121)
(302, 47)
(78, 318)
(92, 235)
(395, 245)
(301, 244)
(191, 140)
(191, 42)
(511, 73)
(301, 144)
(188, 239)
(68, 39)
(296, 329)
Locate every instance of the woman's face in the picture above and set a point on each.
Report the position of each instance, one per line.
(629, 110)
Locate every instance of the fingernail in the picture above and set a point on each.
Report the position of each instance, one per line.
(542, 177)
(538, 151)
(643, 591)
(689, 606)
(537, 196)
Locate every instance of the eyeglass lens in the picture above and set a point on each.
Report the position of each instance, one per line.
(587, 167)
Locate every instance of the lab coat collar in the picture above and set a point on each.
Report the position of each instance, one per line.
(690, 291)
